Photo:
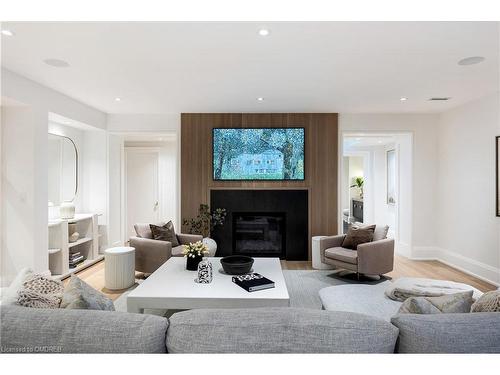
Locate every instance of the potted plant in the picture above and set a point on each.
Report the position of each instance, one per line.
(204, 223)
(194, 254)
(358, 183)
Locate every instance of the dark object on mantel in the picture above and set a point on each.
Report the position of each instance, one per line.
(357, 210)
(236, 264)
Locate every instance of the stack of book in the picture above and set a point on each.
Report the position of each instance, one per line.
(75, 259)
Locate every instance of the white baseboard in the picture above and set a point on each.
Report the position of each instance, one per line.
(469, 266)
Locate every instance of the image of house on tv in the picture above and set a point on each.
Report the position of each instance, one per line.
(269, 162)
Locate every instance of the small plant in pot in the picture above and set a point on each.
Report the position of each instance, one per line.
(206, 220)
(194, 253)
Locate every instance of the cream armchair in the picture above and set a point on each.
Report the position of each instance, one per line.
(371, 258)
(151, 254)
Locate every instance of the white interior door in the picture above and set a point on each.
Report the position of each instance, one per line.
(141, 187)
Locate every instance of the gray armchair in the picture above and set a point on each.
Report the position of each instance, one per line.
(151, 254)
(371, 258)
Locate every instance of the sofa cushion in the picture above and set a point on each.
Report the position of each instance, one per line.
(358, 235)
(448, 333)
(144, 231)
(79, 295)
(360, 298)
(380, 232)
(278, 330)
(41, 292)
(344, 255)
(80, 331)
(177, 251)
(10, 294)
(164, 233)
(448, 304)
(488, 302)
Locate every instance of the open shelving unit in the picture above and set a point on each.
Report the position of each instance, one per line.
(60, 248)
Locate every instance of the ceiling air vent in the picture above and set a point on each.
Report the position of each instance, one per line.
(437, 99)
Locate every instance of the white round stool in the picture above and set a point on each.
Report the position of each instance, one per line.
(316, 256)
(119, 267)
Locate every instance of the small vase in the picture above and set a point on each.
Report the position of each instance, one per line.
(192, 262)
(205, 272)
(67, 210)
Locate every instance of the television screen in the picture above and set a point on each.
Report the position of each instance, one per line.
(258, 154)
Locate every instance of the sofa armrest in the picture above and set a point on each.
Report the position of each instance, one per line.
(376, 258)
(80, 331)
(150, 254)
(328, 242)
(186, 239)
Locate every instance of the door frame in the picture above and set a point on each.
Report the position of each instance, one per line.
(402, 248)
(129, 150)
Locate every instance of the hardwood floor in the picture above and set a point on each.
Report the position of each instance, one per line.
(94, 275)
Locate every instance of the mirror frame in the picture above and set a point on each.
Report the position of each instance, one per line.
(76, 162)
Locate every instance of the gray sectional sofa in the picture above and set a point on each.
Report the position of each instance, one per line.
(261, 330)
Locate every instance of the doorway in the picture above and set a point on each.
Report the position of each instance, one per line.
(141, 186)
(376, 184)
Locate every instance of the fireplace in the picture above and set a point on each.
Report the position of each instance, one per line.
(266, 223)
(259, 234)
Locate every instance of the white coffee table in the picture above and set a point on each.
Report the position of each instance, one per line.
(172, 287)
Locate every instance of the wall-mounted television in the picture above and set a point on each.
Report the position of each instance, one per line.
(258, 154)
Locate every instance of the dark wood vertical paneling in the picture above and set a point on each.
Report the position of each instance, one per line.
(321, 154)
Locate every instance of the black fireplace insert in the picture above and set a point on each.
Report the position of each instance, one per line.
(259, 234)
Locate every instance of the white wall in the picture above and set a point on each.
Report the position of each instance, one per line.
(24, 191)
(25, 168)
(467, 232)
(138, 127)
(423, 128)
(143, 122)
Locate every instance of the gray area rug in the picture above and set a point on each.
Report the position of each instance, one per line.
(303, 287)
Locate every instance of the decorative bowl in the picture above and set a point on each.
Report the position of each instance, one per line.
(236, 264)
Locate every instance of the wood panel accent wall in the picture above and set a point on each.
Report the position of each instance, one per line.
(321, 162)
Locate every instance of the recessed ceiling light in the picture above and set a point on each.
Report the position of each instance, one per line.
(439, 98)
(471, 60)
(7, 32)
(260, 99)
(403, 99)
(263, 32)
(117, 99)
(56, 63)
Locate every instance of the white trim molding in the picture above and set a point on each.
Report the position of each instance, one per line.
(470, 266)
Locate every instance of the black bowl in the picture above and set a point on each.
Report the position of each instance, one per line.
(236, 264)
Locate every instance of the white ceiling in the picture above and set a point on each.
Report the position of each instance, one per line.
(224, 67)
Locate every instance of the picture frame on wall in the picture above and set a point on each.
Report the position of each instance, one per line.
(497, 168)
(391, 176)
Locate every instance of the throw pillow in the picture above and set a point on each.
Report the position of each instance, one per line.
(40, 292)
(80, 295)
(165, 233)
(446, 304)
(380, 232)
(488, 302)
(358, 235)
(10, 294)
